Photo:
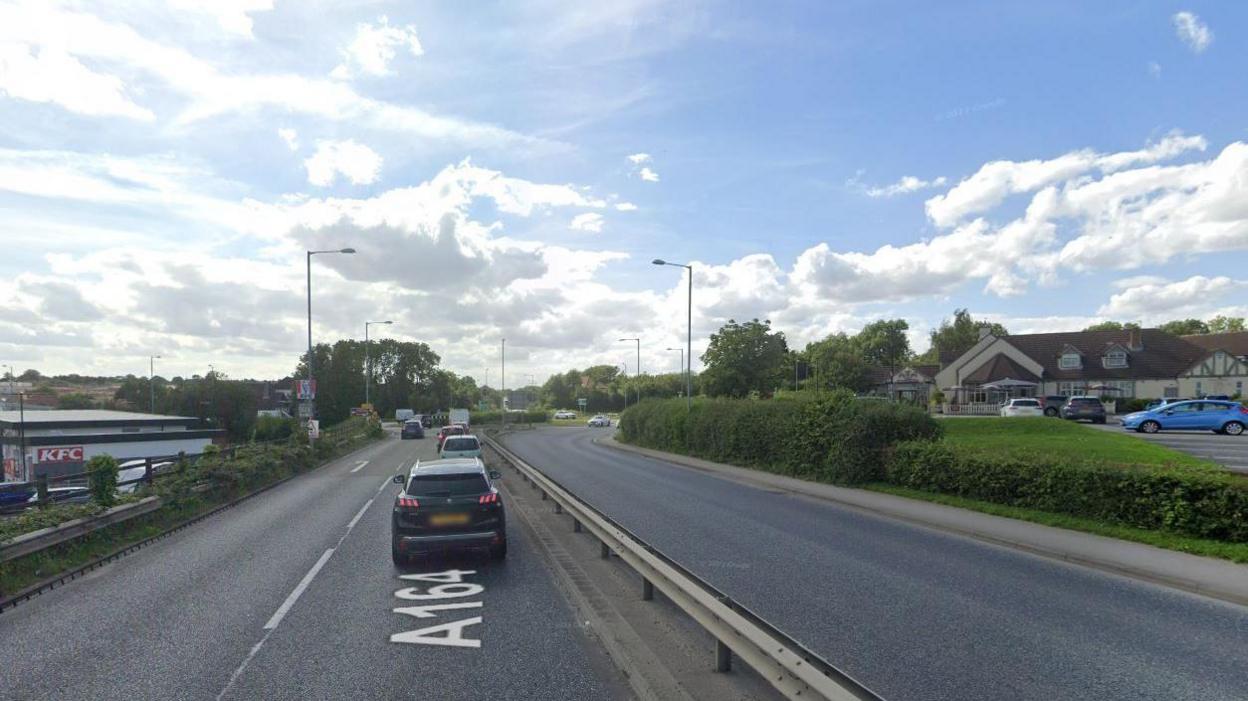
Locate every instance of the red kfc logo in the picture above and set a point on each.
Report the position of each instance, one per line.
(73, 454)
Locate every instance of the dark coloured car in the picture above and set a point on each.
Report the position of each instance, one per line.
(64, 495)
(15, 493)
(1084, 409)
(448, 505)
(1053, 404)
(452, 430)
(412, 428)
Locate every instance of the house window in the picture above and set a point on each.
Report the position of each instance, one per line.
(1069, 361)
(1171, 392)
(1126, 388)
(1069, 389)
(1115, 359)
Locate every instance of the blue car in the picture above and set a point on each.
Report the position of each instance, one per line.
(1196, 415)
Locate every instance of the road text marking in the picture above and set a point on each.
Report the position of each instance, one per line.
(449, 584)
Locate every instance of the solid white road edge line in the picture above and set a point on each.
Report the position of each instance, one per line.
(294, 595)
(359, 467)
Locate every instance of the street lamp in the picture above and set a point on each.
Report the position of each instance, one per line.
(151, 383)
(689, 333)
(368, 368)
(637, 375)
(310, 254)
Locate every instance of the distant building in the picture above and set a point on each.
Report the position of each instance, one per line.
(59, 442)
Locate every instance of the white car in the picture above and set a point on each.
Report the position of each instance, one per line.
(1024, 406)
(565, 414)
(599, 420)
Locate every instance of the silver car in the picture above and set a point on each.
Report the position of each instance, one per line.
(599, 421)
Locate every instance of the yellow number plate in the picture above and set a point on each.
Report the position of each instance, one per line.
(448, 519)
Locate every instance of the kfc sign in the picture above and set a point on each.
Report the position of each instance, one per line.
(72, 454)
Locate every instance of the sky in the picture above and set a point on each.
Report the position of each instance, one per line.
(509, 170)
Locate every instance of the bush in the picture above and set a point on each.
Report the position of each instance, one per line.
(102, 478)
(835, 438)
(1197, 503)
(513, 417)
(273, 428)
(1131, 404)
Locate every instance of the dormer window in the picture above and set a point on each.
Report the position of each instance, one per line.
(1116, 358)
(1070, 361)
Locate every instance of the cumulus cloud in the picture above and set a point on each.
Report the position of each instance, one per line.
(644, 172)
(355, 162)
(1157, 300)
(648, 175)
(639, 158)
(625, 207)
(290, 137)
(233, 16)
(49, 74)
(588, 221)
(374, 47)
(1192, 31)
(907, 184)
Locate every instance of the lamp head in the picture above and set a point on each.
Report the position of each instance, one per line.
(659, 261)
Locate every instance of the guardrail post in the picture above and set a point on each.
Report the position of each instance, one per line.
(723, 657)
(147, 471)
(576, 526)
(604, 551)
(647, 590)
(41, 488)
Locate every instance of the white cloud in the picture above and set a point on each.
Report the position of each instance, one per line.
(639, 158)
(374, 47)
(1192, 31)
(232, 15)
(589, 221)
(1156, 301)
(908, 183)
(1154, 69)
(291, 137)
(625, 207)
(648, 175)
(356, 162)
(49, 74)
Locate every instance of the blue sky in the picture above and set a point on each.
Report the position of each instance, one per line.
(509, 169)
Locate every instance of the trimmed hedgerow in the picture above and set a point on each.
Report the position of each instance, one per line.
(513, 417)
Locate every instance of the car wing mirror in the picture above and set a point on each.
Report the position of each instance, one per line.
(398, 479)
(496, 475)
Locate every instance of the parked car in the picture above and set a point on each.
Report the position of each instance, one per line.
(1217, 396)
(1165, 401)
(1084, 409)
(1022, 406)
(565, 414)
(446, 431)
(1053, 404)
(448, 505)
(600, 421)
(1196, 415)
(460, 447)
(412, 428)
(13, 493)
(64, 495)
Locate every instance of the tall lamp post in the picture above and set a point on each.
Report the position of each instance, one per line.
(502, 382)
(310, 254)
(637, 374)
(151, 383)
(368, 366)
(689, 333)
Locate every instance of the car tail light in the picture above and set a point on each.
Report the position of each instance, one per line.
(409, 503)
(491, 498)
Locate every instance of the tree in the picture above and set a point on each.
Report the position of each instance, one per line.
(1225, 324)
(884, 344)
(953, 338)
(1113, 326)
(838, 363)
(31, 375)
(75, 400)
(1185, 327)
(744, 358)
(402, 372)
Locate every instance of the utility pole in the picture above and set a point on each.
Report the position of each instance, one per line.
(151, 383)
(502, 401)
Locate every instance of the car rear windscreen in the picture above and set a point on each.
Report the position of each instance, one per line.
(461, 444)
(447, 485)
(1026, 402)
(1085, 402)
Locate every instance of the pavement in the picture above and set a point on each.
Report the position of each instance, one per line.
(292, 595)
(912, 612)
(1230, 451)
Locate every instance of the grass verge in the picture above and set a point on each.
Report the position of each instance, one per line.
(1235, 552)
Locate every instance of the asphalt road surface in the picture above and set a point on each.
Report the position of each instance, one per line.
(913, 613)
(291, 595)
(1231, 451)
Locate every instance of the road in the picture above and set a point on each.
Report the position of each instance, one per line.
(1230, 451)
(290, 595)
(913, 613)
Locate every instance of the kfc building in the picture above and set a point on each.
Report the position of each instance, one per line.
(59, 442)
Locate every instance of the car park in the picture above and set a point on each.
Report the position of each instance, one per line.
(447, 431)
(565, 414)
(599, 421)
(1084, 409)
(1022, 406)
(1053, 404)
(1196, 415)
(460, 447)
(412, 428)
(448, 505)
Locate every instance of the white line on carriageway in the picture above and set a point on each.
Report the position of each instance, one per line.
(359, 467)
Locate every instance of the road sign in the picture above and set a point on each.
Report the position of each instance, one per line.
(314, 429)
(581, 402)
(306, 410)
(305, 389)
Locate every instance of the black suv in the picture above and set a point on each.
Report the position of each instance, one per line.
(448, 505)
(1089, 408)
(412, 428)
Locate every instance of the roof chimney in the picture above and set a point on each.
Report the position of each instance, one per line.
(1135, 341)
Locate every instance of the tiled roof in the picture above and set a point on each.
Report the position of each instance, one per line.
(1162, 355)
(999, 368)
(1234, 343)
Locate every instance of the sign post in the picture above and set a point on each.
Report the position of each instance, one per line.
(314, 429)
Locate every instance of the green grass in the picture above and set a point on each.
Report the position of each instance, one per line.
(1024, 438)
(1235, 552)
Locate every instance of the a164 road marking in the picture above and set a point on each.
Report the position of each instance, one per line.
(439, 587)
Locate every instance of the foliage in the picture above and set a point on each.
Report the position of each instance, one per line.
(1023, 437)
(1113, 326)
(838, 362)
(744, 358)
(273, 428)
(75, 400)
(1224, 324)
(1185, 327)
(1204, 504)
(38, 519)
(953, 338)
(478, 418)
(102, 478)
(884, 343)
(835, 438)
(405, 376)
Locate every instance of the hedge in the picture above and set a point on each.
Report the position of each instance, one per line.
(835, 438)
(1196, 503)
(513, 417)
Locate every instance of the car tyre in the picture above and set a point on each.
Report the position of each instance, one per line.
(1050, 412)
(1149, 427)
(397, 557)
(1233, 428)
(498, 552)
